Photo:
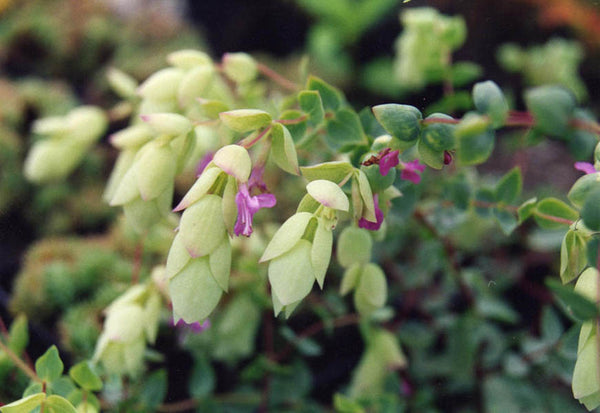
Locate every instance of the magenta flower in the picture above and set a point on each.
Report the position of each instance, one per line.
(388, 160)
(195, 327)
(248, 206)
(411, 171)
(370, 225)
(586, 167)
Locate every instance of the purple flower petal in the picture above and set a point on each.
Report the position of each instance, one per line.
(370, 225)
(411, 171)
(256, 179)
(586, 167)
(204, 162)
(195, 327)
(388, 161)
(248, 206)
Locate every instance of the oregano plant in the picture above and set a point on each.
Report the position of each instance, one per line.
(256, 197)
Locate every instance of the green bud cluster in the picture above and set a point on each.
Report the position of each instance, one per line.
(424, 48)
(300, 251)
(66, 140)
(382, 355)
(563, 56)
(131, 322)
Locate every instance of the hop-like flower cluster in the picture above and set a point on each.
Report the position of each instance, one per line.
(131, 322)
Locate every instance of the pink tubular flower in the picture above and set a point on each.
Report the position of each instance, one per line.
(248, 206)
(411, 171)
(388, 161)
(586, 167)
(370, 225)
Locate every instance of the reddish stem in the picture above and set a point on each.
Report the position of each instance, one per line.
(258, 137)
(277, 78)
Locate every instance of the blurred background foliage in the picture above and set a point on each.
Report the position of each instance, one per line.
(480, 330)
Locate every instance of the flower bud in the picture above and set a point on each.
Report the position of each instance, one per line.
(162, 85)
(245, 120)
(328, 194)
(195, 84)
(240, 67)
(121, 83)
(188, 59)
(235, 161)
(170, 124)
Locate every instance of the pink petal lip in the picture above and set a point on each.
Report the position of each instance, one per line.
(586, 167)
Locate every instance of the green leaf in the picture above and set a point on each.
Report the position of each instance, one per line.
(552, 108)
(202, 382)
(431, 157)
(371, 291)
(332, 98)
(485, 199)
(345, 129)
(575, 304)
(439, 136)
(526, 209)
(573, 256)
(401, 121)
(344, 404)
(18, 335)
(49, 366)
(463, 73)
(84, 375)
(489, 100)
(154, 389)
(25, 405)
(377, 181)
(509, 187)
(283, 149)
(58, 404)
(473, 149)
(506, 220)
(245, 120)
(435, 139)
(590, 213)
(305, 346)
(310, 102)
(582, 188)
(297, 129)
(551, 326)
(331, 171)
(552, 213)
